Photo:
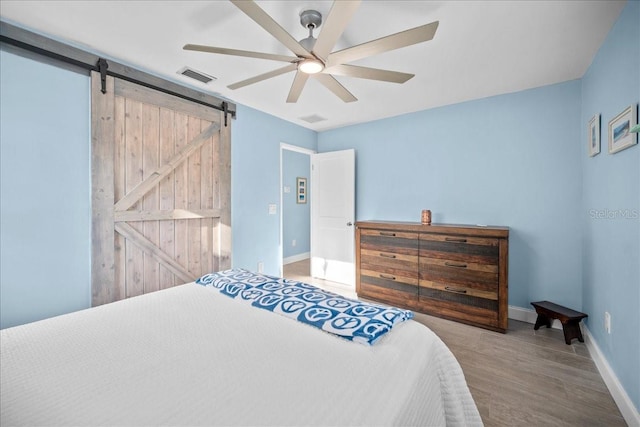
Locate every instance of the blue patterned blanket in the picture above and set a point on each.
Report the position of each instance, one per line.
(354, 320)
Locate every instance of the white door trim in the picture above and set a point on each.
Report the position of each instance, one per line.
(309, 152)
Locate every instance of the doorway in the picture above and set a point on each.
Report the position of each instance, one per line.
(295, 208)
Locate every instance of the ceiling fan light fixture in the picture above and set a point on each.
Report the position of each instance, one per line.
(310, 66)
(316, 55)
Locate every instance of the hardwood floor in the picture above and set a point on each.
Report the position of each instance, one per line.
(521, 378)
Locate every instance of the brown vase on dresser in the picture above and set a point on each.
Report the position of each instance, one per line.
(458, 272)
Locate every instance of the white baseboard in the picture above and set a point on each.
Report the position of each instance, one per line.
(620, 396)
(296, 258)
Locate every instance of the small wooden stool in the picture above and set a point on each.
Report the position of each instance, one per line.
(570, 319)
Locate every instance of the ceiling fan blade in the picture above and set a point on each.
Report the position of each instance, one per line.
(384, 44)
(334, 86)
(296, 87)
(265, 76)
(368, 73)
(253, 11)
(333, 27)
(235, 52)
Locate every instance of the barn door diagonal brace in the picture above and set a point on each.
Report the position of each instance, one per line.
(154, 178)
(102, 69)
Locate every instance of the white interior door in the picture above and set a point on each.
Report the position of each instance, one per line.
(332, 216)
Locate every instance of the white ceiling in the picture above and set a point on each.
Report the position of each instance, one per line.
(481, 48)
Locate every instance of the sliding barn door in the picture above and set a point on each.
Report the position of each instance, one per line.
(160, 190)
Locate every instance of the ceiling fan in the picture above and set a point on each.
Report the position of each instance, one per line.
(314, 56)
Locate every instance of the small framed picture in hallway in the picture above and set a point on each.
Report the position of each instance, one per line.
(301, 185)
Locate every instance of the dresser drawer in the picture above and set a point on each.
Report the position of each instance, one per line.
(388, 261)
(484, 312)
(476, 250)
(459, 271)
(460, 290)
(463, 294)
(393, 242)
(395, 289)
(407, 277)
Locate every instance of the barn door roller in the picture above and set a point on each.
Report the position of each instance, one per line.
(102, 69)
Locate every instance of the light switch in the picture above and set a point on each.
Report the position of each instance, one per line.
(287, 189)
(273, 209)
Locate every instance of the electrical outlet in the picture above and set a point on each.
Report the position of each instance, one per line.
(607, 322)
(293, 242)
(261, 267)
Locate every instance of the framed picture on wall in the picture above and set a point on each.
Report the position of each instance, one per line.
(593, 134)
(620, 135)
(302, 193)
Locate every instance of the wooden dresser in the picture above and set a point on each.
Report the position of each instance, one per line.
(458, 272)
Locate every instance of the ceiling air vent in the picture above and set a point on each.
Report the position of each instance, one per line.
(197, 75)
(314, 118)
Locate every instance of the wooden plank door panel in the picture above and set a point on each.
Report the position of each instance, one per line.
(168, 212)
(166, 194)
(133, 168)
(103, 238)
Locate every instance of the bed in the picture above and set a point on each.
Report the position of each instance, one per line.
(195, 355)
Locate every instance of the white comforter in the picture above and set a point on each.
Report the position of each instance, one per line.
(190, 356)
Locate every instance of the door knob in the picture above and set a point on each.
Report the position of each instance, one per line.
(349, 224)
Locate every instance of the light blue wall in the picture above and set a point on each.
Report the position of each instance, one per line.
(45, 215)
(255, 179)
(510, 160)
(610, 212)
(296, 222)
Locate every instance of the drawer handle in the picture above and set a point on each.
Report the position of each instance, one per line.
(455, 264)
(387, 276)
(387, 255)
(383, 233)
(455, 239)
(450, 289)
